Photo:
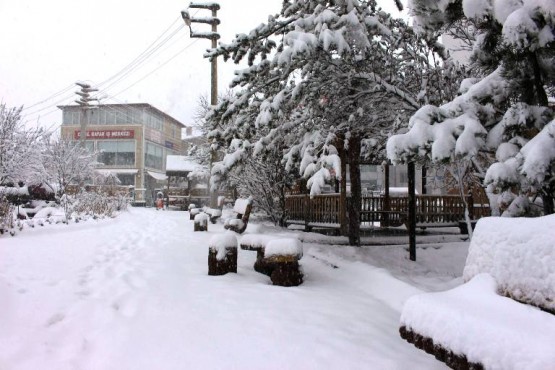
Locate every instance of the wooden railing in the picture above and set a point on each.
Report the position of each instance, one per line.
(431, 210)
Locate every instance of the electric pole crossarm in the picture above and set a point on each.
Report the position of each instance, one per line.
(211, 6)
(205, 35)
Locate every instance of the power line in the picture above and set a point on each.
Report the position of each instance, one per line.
(141, 54)
(154, 70)
(50, 97)
(139, 61)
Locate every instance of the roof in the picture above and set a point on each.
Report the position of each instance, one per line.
(181, 163)
(132, 105)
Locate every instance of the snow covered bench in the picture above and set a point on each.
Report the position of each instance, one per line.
(503, 317)
(276, 257)
(242, 209)
(213, 213)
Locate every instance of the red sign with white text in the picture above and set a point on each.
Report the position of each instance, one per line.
(106, 134)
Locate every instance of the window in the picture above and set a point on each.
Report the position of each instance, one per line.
(117, 153)
(126, 179)
(154, 156)
(71, 117)
(153, 121)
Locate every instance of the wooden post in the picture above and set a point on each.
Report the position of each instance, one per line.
(424, 180)
(344, 230)
(412, 211)
(306, 212)
(386, 203)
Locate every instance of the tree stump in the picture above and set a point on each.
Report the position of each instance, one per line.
(201, 222)
(286, 270)
(281, 257)
(222, 254)
(262, 265)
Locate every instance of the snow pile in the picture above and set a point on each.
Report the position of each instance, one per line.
(489, 329)
(201, 219)
(55, 214)
(241, 205)
(256, 239)
(222, 242)
(284, 247)
(235, 223)
(520, 255)
(507, 256)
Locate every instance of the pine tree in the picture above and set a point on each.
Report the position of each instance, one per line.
(504, 109)
(328, 80)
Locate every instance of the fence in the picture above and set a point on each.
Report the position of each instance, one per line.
(431, 210)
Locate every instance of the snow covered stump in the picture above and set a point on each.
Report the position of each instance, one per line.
(201, 222)
(283, 255)
(503, 317)
(222, 254)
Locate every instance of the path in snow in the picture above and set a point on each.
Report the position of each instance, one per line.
(133, 293)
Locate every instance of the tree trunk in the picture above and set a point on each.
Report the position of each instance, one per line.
(340, 145)
(548, 208)
(354, 203)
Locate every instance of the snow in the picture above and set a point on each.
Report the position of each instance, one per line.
(513, 256)
(493, 330)
(133, 293)
(222, 242)
(201, 218)
(241, 205)
(284, 247)
(181, 163)
(519, 253)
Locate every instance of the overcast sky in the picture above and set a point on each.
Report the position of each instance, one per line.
(46, 46)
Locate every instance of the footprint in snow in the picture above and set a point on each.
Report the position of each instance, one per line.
(55, 319)
(126, 306)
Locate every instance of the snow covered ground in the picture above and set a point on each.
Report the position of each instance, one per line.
(133, 293)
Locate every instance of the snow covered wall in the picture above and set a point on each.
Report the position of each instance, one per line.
(520, 255)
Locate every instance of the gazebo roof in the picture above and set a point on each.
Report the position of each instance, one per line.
(181, 165)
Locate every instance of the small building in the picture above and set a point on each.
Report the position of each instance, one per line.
(133, 142)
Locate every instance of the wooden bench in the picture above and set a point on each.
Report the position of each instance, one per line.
(242, 209)
(213, 213)
(503, 317)
(276, 257)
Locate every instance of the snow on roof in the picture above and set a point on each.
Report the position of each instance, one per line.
(181, 163)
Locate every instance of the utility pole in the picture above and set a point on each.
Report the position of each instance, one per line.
(213, 36)
(83, 101)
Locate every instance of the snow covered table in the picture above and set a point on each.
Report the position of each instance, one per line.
(503, 317)
(276, 257)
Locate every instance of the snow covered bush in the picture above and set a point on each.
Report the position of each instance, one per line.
(97, 204)
(20, 157)
(503, 110)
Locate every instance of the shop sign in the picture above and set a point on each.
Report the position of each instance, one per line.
(106, 134)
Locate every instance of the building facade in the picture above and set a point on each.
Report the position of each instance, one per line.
(132, 142)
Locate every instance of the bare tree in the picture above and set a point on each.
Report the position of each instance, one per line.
(19, 148)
